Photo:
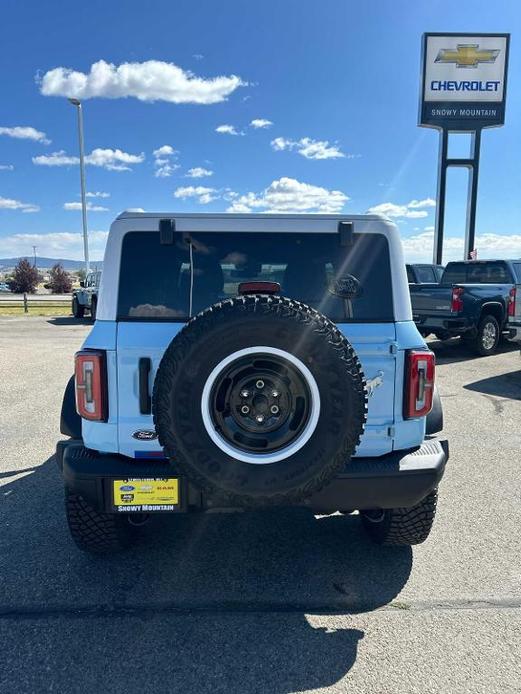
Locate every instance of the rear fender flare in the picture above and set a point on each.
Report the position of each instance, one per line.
(70, 420)
(435, 417)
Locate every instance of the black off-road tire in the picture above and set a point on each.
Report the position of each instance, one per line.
(77, 309)
(243, 323)
(401, 526)
(93, 309)
(95, 532)
(477, 344)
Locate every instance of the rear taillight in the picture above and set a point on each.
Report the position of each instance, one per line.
(512, 302)
(419, 383)
(456, 303)
(91, 385)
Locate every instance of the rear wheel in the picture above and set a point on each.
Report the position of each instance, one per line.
(401, 526)
(95, 532)
(77, 309)
(93, 309)
(487, 339)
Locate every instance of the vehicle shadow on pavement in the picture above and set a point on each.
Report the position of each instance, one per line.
(69, 320)
(244, 584)
(503, 385)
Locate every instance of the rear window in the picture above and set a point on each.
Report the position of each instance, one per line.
(155, 279)
(425, 274)
(438, 271)
(476, 273)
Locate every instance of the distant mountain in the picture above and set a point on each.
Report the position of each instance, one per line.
(47, 263)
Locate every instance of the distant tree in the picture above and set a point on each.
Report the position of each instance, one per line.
(60, 281)
(25, 278)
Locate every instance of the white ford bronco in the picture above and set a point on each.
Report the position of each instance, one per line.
(259, 361)
(86, 297)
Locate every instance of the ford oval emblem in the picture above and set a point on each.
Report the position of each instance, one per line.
(145, 435)
(126, 488)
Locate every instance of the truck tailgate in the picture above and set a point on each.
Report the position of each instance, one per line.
(431, 299)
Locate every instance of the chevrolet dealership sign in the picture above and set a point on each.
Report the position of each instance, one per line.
(463, 80)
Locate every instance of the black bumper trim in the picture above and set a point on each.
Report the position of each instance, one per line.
(399, 479)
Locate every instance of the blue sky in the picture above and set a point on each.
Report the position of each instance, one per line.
(337, 81)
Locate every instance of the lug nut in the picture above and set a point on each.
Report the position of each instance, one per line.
(274, 409)
(245, 409)
(260, 384)
(260, 418)
(274, 393)
(245, 393)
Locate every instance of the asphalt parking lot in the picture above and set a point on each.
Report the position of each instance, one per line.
(279, 602)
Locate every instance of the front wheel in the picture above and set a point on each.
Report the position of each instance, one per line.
(401, 526)
(487, 339)
(95, 532)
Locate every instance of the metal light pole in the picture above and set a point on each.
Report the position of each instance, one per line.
(77, 103)
(34, 254)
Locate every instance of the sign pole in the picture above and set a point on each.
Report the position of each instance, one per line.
(472, 198)
(440, 198)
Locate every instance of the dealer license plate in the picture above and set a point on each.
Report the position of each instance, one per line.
(145, 495)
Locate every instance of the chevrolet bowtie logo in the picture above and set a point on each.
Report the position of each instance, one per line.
(467, 55)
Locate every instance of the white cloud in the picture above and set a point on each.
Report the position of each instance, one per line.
(25, 132)
(311, 149)
(165, 170)
(418, 248)
(90, 207)
(428, 202)
(163, 161)
(163, 151)
(6, 167)
(199, 172)
(54, 245)
(134, 209)
(152, 80)
(202, 194)
(409, 211)
(113, 159)
(97, 194)
(228, 130)
(289, 195)
(110, 159)
(10, 204)
(56, 159)
(198, 56)
(261, 123)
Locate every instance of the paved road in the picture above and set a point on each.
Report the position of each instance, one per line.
(261, 603)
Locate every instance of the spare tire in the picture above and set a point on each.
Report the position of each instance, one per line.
(259, 400)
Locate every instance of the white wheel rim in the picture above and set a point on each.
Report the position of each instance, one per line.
(274, 456)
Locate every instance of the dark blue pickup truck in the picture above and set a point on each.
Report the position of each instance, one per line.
(475, 300)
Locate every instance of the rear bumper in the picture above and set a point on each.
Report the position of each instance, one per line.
(434, 324)
(399, 479)
(515, 331)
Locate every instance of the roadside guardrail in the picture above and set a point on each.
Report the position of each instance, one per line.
(27, 303)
